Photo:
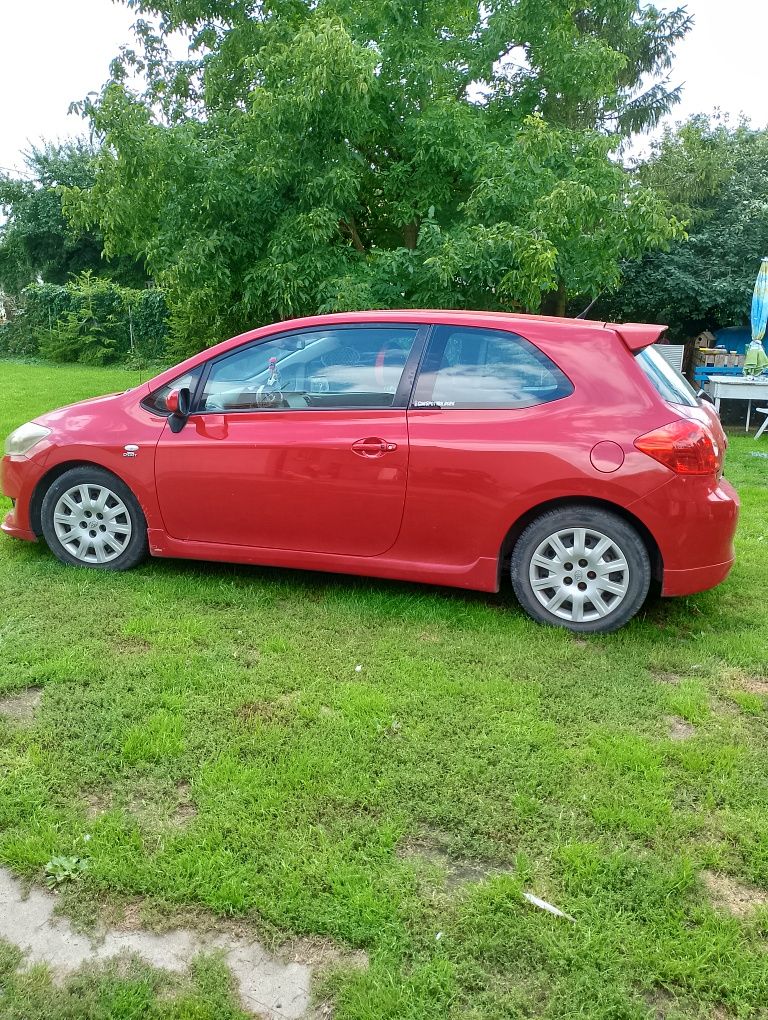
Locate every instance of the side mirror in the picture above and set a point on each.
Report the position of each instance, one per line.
(178, 403)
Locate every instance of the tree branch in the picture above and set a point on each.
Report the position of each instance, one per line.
(348, 227)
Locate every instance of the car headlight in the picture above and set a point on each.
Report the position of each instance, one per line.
(22, 439)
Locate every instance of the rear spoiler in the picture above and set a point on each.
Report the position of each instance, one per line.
(637, 335)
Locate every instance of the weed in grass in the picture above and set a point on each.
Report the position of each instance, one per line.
(64, 869)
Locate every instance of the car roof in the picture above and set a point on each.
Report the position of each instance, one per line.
(635, 335)
(441, 315)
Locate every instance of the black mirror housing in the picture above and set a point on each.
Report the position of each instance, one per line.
(179, 403)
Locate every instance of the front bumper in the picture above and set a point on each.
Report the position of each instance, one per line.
(18, 478)
(11, 527)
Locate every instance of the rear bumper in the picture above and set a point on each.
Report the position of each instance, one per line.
(694, 523)
(689, 582)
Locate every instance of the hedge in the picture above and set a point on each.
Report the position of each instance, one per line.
(89, 320)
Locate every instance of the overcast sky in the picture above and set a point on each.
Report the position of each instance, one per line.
(56, 51)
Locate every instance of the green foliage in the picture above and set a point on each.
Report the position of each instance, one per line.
(714, 176)
(62, 869)
(35, 239)
(91, 320)
(321, 156)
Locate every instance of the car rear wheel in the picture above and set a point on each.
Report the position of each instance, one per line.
(92, 519)
(582, 568)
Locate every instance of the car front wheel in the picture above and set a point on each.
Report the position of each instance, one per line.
(92, 519)
(582, 568)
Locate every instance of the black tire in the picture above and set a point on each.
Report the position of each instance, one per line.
(121, 550)
(581, 584)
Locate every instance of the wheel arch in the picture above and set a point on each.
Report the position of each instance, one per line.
(47, 480)
(522, 522)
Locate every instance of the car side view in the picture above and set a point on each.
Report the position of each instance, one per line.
(447, 447)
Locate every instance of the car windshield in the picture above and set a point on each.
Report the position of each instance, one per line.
(666, 380)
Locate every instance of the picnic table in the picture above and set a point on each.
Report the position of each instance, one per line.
(729, 387)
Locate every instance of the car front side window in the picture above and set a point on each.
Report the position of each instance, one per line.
(338, 367)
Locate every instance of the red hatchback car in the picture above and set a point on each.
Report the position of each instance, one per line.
(438, 446)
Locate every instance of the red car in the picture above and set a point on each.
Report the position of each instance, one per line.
(439, 446)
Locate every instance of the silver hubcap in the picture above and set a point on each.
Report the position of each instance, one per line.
(92, 523)
(579, 575)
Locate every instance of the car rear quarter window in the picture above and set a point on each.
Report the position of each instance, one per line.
(666, 380)
(468, 368)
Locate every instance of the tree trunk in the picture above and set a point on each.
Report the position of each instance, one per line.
(553, 303)
(411, 234)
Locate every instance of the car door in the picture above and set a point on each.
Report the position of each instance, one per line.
(486, 425)
(298, 441)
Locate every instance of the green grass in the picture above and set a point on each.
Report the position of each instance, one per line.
(121, 990)
(470, 732)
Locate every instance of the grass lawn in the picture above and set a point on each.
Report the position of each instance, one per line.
(389, 767)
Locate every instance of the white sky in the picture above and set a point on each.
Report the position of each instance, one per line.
(55, 51)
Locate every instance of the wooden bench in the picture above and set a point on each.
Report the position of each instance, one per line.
(703, 373)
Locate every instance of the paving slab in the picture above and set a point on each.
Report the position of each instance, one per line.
(268, 987)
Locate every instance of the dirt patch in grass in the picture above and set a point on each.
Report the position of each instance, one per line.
(128, 645)
(756, 686)
(323, 954)
(260, 711)
(132, 914)
(737, 898)
(430, 637)
(186, 809)
(247, 657)
(145, 806)
(96, 804)
(158, 813)
(679, 729)
(281, 710)
(457, 872)
(739, 679)
(22, 707)
(661, 1003)
(670, 679)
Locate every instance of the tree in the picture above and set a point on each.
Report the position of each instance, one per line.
(315, 156)
(35, 240)
(715, 177)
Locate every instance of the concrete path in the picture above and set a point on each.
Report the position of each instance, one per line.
(268, 988)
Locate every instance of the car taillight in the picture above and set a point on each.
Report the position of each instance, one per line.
(684, 447)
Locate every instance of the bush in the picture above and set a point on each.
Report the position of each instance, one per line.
(90, 320)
